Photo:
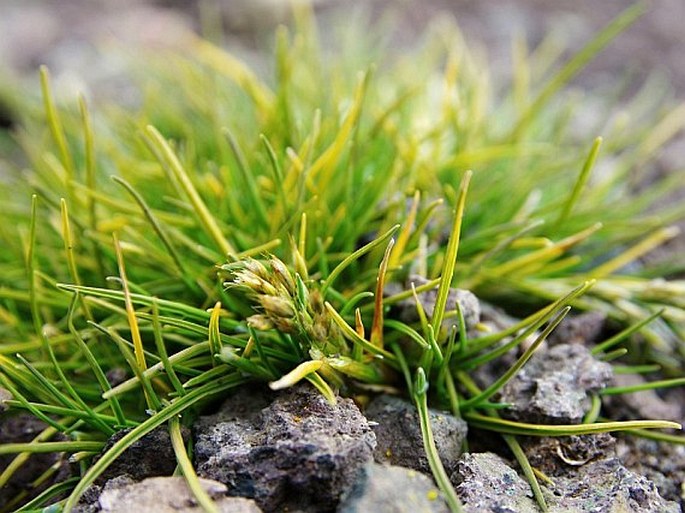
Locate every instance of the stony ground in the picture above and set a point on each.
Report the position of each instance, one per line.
(294, 451)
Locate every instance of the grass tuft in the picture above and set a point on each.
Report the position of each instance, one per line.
(271, 230)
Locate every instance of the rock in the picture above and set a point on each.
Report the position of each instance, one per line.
(555, 456)
(468, 303)
(116, 376)
(168, 495)
(645, 404)
(296, 452)
(661, 462)
(587, 475)
(90, 500)
(606, 485)
(585, 328)
(398, 434)
(553, 386)
(485, 483)
(150, 456)
(390, 489)
(5, 395)
(22, 428)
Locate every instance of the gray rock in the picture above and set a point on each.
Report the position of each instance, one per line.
(661, 462)
(5, 395)
(468, 303)
(151, 456)
(169, 495)
(606, 485)
(398, 434)
(90, 500)
(645, 404)
(579, 329)
(485, 483)
(556, 456)
(389, 489)
(553, 386)
(297, 452)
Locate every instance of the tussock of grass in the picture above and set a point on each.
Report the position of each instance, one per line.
(249, 226)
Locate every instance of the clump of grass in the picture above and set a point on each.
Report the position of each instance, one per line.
(250, 226)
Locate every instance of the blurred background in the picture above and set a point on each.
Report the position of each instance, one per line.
(67, 34)
(72, 37)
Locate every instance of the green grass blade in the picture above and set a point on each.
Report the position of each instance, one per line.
(450, 258)
(354, 337)
(172, 164)
(202, 497)
(649, 385)
(511, 372)
(249, 178)
(46, 498)
(50, 447)
(624, 334)
(355, 256)
(520, 428)
(56, 127)
(431, 450)
(156, 226)
(163, 355)
(523, 462)
(579, 184)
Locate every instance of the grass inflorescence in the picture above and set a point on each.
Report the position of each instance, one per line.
(234, 228)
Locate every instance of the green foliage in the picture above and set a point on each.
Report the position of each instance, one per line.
(247, 234)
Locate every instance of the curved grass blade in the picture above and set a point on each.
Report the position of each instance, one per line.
(202, 497)
(355, 256)
(297, 374)
(521, 428)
